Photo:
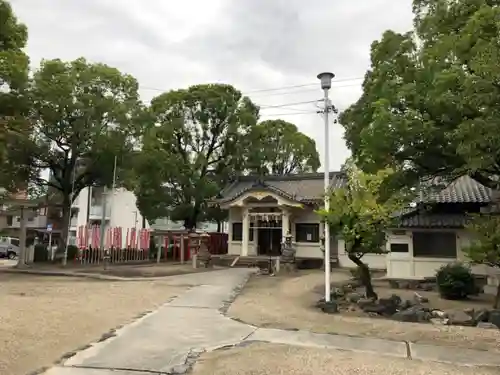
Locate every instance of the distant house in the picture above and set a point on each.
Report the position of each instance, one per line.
(431, 234)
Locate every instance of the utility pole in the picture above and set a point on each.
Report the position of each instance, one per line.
(326, 84)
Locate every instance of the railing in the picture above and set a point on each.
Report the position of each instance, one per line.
(96, 211)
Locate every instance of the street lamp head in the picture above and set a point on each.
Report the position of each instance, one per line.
(326, 80)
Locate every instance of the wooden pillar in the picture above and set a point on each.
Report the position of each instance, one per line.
(246, 232)
(285, 223)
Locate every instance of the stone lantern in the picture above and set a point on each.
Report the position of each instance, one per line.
(288, 252)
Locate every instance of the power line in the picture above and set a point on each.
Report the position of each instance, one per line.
(288, 104)
(272, 89)
(290, 114)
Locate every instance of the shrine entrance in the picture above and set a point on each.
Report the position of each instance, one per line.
(269, 240)
(268, 228)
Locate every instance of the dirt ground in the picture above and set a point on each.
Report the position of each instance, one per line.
(288, 302)
(266, 359)
(42, 318)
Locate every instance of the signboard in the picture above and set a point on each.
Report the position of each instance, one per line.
(49, 227)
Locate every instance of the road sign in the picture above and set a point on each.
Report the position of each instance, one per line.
(49, 227)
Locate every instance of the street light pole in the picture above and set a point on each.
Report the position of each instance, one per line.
(326, 84)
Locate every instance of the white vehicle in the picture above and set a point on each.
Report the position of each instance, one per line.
(9, 247)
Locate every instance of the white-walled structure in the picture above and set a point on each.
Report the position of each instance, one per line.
(121, 210)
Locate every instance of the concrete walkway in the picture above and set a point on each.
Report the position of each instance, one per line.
(170, 339)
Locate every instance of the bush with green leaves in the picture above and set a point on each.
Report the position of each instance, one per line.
(455, 281)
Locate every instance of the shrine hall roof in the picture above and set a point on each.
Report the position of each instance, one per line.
(299, 187)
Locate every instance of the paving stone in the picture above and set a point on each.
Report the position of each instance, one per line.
(89, 371)
(305, 338)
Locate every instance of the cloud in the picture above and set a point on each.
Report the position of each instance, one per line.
(253, 44)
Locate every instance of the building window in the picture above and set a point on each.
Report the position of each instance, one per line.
(435, 244)
(306, 232)
(9, 220)
(399, 248)
(237, 234)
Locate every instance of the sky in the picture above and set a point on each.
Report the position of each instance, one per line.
(271, 50)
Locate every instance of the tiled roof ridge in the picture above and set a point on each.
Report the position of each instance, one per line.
(288, 177)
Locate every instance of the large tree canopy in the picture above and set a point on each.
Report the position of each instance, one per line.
(81, 117)
(14, 64)
(430, 100)
(279, 148)
(195, 146)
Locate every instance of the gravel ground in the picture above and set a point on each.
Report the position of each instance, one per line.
(287, 302)
(281, 359)
(43, 318)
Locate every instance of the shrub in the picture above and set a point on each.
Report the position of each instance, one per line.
(455, 281)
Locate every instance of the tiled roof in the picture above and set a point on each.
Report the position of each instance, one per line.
(432, 220)
(309, 187)
(301, 187)
(462, 190)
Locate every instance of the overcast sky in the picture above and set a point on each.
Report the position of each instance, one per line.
(254, 45)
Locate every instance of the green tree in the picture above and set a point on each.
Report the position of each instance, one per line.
(485, 249)
(195, 147)
(429, 105)
(279, 149)
(14, 66)
(82, 116)
(360, 213)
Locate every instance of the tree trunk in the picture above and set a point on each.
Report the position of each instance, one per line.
(365, 275)
(219, 226)
(143, 222)
(497, 298)
(66, 218)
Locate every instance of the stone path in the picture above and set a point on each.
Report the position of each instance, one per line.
(170, 339)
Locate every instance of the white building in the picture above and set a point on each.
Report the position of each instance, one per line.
(121, 210)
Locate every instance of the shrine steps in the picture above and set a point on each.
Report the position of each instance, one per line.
(262, 261)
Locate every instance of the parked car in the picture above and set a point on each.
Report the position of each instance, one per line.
(9, 247)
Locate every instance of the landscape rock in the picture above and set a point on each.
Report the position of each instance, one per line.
(406, 304)
(469, 311)
(459, 318)
(353, 297)
(364, 302)
(374, 307)
(389, 306)
(486, 325)
(415, 314)
(419, 298)
(482, 315)
(494, 317)
(438, 314)
(330, 307)
(440, 321)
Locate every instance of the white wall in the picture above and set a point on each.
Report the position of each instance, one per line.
(122, 209)
(374, 261)
(418, 267)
